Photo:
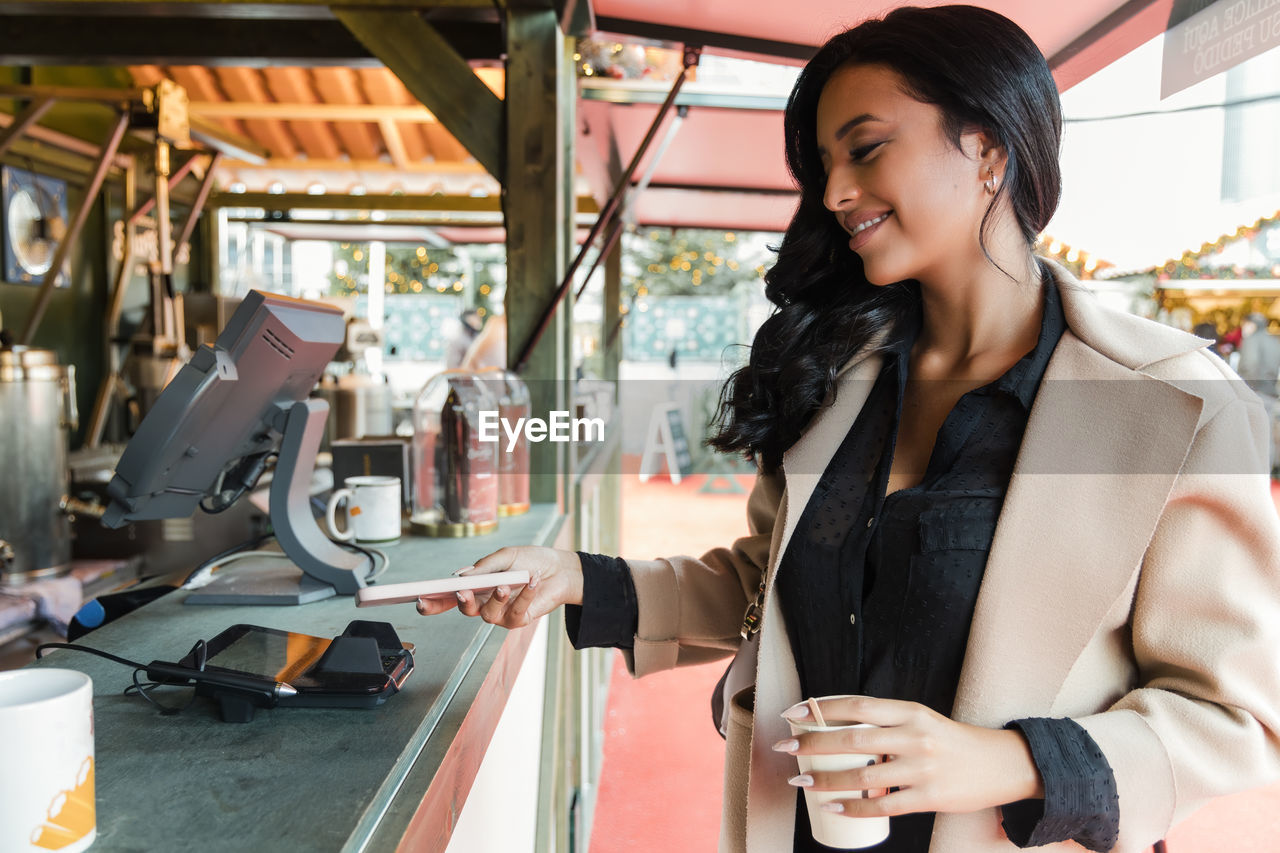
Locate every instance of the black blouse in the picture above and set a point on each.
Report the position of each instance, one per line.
(878, 592)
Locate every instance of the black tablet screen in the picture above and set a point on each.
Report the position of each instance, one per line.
(273, 654)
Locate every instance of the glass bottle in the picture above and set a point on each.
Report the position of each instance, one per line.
(455, 472)
(513, 459)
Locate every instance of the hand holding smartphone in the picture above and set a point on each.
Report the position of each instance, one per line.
(401, 593)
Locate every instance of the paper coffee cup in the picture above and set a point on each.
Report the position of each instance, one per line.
(832, 828)
(46, 768)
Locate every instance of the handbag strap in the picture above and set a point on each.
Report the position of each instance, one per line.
(755, 611)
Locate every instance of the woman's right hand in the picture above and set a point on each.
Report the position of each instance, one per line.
(555, 578)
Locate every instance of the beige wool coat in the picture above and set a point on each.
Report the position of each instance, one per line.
(1133, 585)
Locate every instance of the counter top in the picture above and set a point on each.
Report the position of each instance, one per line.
(304, 778)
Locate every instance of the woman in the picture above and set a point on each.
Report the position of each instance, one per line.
(1032, 533)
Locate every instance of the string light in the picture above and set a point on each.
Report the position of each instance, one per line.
(1189, 265)
(1082, 263)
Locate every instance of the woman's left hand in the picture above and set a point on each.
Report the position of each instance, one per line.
(936, 763)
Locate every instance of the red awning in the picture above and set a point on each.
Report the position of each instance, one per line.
(724, 167)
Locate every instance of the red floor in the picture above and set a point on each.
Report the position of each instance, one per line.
(663, 760)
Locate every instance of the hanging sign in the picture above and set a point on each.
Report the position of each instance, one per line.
(1215, 38)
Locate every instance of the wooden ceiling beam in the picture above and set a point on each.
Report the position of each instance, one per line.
(428, 167)
(312, 111)
(243, 84)
(382, 86)
(341, 86)
(291, 85)
(262, 9)
(86, 35)
(436, 75)
(395, 145)
(371, 201)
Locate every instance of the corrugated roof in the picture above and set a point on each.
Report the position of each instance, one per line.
(334, 127)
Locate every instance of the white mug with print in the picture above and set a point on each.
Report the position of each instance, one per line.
(46, 761)
(372, 511)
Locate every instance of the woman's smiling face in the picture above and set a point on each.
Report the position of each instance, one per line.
(911, 201)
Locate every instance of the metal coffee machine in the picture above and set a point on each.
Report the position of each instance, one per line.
(37, 408)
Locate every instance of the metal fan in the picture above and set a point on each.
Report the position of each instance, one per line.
(35, 217)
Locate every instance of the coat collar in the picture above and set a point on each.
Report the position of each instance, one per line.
(1091, 479)
(1124, 338)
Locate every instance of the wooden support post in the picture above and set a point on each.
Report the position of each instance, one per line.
(613, 205)
(433, 71)
(197, 206)
(173, 180)
(164, 226)
(612, 311)
(108, 391)
(105, 159)
(21, 122)
(539, 211)
(567, 118)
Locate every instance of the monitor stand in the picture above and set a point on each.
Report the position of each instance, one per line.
(261, 580)
(317, 567)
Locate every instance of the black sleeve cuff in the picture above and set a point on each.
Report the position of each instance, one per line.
(609, 614)
(1080, 802)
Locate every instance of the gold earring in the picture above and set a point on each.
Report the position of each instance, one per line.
(991, 181)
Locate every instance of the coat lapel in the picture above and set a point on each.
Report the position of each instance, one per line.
(1090, 482)
(770, 800)
(1092, 476)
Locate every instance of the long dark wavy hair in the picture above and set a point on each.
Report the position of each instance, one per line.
(981, 71)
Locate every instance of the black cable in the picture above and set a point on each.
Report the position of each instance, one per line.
(140, 687)
(247, 545)
(373, 559)
(145, 688)
(245, 473)
(74, 647)
(252, 544)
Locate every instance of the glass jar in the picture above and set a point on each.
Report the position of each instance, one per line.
(455, 472)
(513, 459)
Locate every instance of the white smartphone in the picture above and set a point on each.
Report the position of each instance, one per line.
(399, 593)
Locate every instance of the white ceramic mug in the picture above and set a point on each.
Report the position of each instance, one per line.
(373, 507)
(46, 761)
(831, 828)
